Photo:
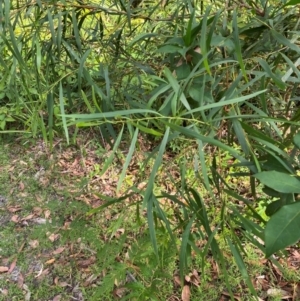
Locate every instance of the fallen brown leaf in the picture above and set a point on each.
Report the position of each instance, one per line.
(177, 280)
(3, 269)
(38, 198)
(186, 293)
(33, 243)
(194, 278)
(21, 186)
(187, 278)
(14, 209)
(37, 210)
(53, 237)
(119, 292)
(86, 262)
(296, 291)
(57, 298)
(236, 297)
(15, 219)
(12, 266)
(63, 284)
(90, 280)
(21, 247)
(11, 168)
(43, 274)
(47, 213)
(28, 217)
(50, 261)
(58, 250)
(4, 291)
(296, 254)
(20, 280)
(119, 232)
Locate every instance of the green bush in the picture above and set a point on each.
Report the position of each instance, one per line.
(224, 78)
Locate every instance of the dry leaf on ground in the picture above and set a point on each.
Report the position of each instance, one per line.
(58, 250)
(14, 209)
(15, 219)
(33, 243)
(3, 269)
(186, 293)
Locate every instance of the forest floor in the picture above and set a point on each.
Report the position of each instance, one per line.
(54, 247)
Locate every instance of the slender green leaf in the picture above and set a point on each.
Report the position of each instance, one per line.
(163, 217)
(116, 114)
(203, 172)
(88, 104)
(293, 68)
(38, 55)
(238, 50)
(198, 28)
(156, 166)
(188, 38)
(277, 80)
(283, 40)
(51, 25)
(148, 196)
(151, 223)
(109, 160)
(145, 129)
(141, 37)
(240, 134)
(176, 87)
(50, 108)
(109, 201)
(80, 69)
(203, 41)
(128, 159)
(242, 267)
(71, 52)
(169, 49)
(59, 33)
(76, 31)
(224, 103)
(62, 111)
(183, 249)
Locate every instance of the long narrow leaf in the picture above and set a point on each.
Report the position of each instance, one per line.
(183, 248)
(149, 190)
(237, 44)
(203, 41)
(109, 160)
(224, 103)
(62, 111)
(128, 159)
(242, 267)
(151, 224)
(115, 114)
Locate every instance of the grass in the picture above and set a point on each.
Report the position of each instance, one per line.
(53, 250)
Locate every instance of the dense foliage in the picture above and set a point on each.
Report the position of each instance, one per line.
(222, 74)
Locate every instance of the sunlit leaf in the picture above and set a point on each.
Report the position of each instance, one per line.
(292, 2)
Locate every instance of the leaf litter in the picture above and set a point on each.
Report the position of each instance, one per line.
(69, 176)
